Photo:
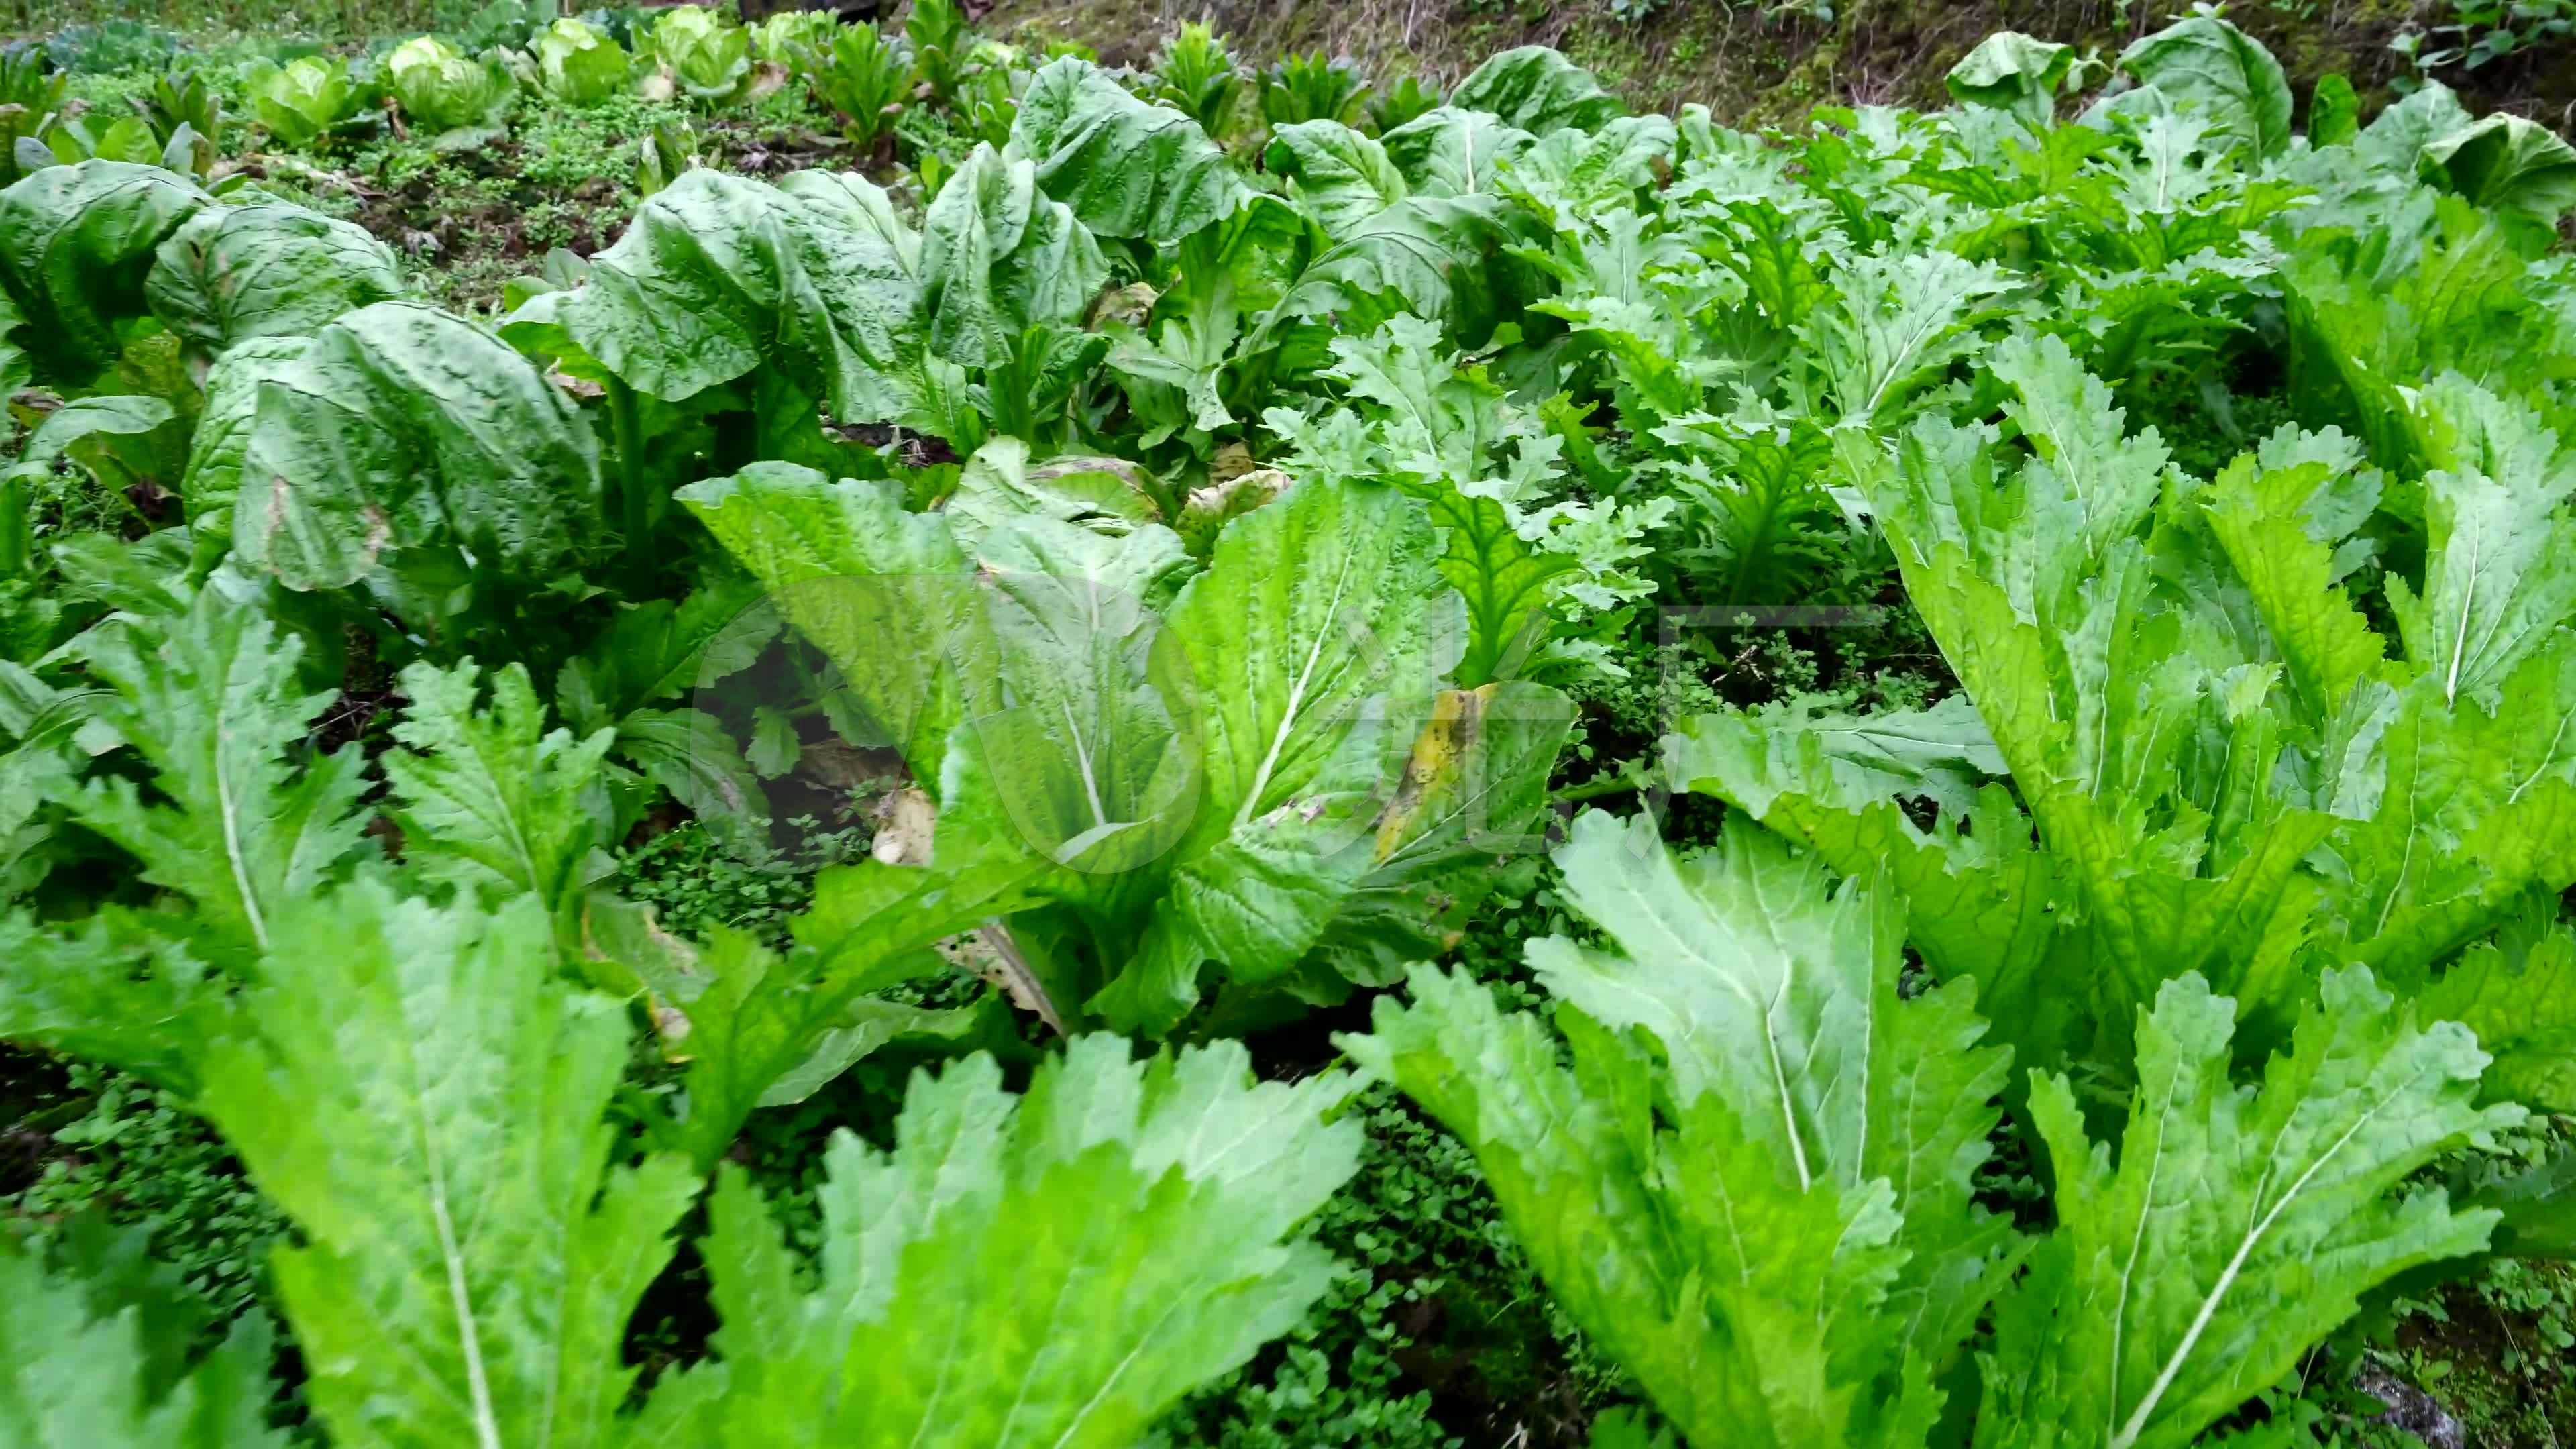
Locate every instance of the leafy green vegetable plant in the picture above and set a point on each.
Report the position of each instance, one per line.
(2093, 630)
(1390, 106)
(794, 37)
(183, 100)
(1312, 87)
(462, 100)
(2012, 72)
(91, 1371)
(1159, 576)
(941, 42)
(1754, 1182)
(119, 45)
(30, 92)
(663, 154)
(2478, 33)
(579, 65)
(1196, 73)
(702, 52)
(305, 100)
(353, 989)
(864, 77)
(1254, 767)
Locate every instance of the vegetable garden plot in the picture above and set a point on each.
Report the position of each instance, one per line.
(1220, 533)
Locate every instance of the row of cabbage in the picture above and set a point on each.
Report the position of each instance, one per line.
(863, 76)
(2254, 763)
(432, 86)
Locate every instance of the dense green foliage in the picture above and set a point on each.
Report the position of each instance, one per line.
(1133, 564)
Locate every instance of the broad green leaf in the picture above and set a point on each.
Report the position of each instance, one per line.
(870, 919)
(2508, 163)
(1505, 584)
(144, 578)
(420, 1093)
(1053, 1271)
(76, 243)
(705, 51)
(1046, 655)
(223, 437)
(33, 774)
(402, 427)
(2136, 729)
(1453, 151)
(1658, 378)
(1001, 483)
(2456, 812)
(1536, 89)
(578, 65)
(2263, 518)
(1572, 176)
(1127, 168)
(1578, 1168)
(2205, 62)
(1780, 248)
(1766, 989)
(1901, 320)
(1788, 1272)
(75, 989)
(209, 701)
(658, 649)
(2010, 71)
(1981, 898)
(53, 441)
(2395, 138)
(689, 753)
(1179, 773)
(268, 269)
(2382, 325)
(759, 1029)
(215, 450)
(885, 594)
(301, 101)
(490, 798)
(2518, 993)
(2334, 112)
(775, 745)
(2536, 1203)
(719, 275)
(1311, 607)
(1309, 627)
(1940, 753)
(1439, 425)
(76, 1376)
(999, 256)
(2085, 457)
(2500, 573)
(2238, 1226)
(1178, 374)
(1474, 789)
(463, 98)
(1759, 481)
(1340, 176)
(114, 416)
(1727, 1259)
(870, 1024)
(1089, 761)
(1422, 255)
